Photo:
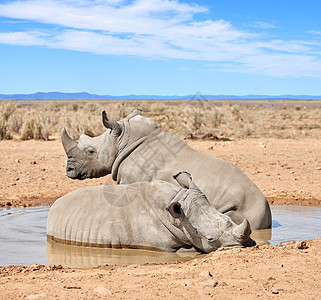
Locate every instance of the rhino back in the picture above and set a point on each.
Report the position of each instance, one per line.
(108, 216)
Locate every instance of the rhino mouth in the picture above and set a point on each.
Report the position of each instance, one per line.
(72, 171)
(250, 243)
(75, 175)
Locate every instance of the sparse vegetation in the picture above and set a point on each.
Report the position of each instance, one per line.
(6, 111)
(187, 119)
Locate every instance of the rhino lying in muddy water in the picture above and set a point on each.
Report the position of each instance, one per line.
(134, 149)
(148, 215)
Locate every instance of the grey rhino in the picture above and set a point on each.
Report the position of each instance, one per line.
(135, 149)
(153, 215)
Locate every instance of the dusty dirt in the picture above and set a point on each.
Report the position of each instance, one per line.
(291, 271)
(287, 171)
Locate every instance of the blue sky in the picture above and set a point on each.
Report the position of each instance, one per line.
(161, 47)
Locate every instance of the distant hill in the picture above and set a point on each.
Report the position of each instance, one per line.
(197, 96)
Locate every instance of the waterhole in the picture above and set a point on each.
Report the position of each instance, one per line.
(23, 239)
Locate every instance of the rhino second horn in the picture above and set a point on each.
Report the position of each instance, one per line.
(242, 232)
(67, 141)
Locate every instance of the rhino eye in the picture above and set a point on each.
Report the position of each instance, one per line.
(175, 210)
(90, 151)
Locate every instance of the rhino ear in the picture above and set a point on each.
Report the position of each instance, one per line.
(109, 123)
(175, 210)
(134, 113)
(185, 180)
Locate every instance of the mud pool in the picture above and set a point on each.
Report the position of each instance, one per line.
(23, 239)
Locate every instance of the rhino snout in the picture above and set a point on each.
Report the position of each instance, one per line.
(242, 231)
(72, 169)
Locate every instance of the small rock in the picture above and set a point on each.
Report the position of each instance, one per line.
(206, 274)
(18, 161)
(35, 267)
(204, 292)
(284, 243)
(210, 282)
(187, 282)
(54, 267)
(17, 178)
(301, 245)
(35, 296)
(101, 290)
(276, 290)
(33, 162)
(8, 204)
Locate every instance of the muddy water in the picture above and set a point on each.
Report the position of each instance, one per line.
(23, 239)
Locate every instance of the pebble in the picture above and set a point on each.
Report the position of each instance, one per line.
(301, 245)
(187, 282)
(206, 274)
(101, 290)
(35, 296)
(276, 290)
(210, 282)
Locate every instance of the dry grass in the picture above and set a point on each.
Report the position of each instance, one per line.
(187, 119)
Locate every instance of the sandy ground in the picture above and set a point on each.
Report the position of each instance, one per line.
(287, 171)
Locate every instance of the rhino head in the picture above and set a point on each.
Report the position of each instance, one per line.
(92, 157)
(201, 223)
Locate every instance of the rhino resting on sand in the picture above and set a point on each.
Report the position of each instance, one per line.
(134, 149)
(153, 215)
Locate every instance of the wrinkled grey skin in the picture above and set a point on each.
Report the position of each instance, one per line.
(160, 216)
(135, 149)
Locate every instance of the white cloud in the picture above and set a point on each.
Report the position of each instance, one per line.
(315, 32)
(158, 29)
(263, 25)
(22, 38)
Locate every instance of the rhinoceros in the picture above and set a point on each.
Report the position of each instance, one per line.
(134, 149)
(153, 215)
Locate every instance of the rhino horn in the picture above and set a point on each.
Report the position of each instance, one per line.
(109, 123)
(185, 180)
(67, 141)
(242, 231)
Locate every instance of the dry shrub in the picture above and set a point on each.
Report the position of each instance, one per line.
(34, 128)
(6, 111)
(186, 119)
(82, 122)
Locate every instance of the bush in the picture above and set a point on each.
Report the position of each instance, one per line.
(6, 111)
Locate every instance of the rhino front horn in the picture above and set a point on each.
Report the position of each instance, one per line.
(67, 141)
(242, 232)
